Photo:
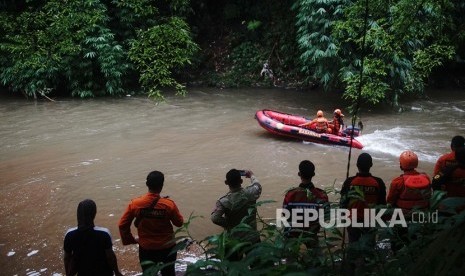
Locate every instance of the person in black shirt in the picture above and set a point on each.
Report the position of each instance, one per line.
(88, 248)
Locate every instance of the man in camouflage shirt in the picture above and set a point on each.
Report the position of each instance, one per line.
(237, 206)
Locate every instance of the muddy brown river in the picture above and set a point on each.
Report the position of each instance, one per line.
(55, 154)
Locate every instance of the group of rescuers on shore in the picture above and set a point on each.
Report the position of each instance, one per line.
(88, 248)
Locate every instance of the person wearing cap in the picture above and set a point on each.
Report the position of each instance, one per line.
(448, 159)
(305, 196)
(411, 191)
(154, 217)
(338, 121)
(88, 248)
(237, 206)
(360, 192)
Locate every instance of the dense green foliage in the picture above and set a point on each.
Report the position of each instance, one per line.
(400, 43)
(110, 47)
(91, 47)
(161, 51)
(67, 45)
(319, 53)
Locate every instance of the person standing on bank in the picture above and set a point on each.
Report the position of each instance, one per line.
(410, 191)
(451, 179)
(88, 248)
(232, 208)
(154, 217)
(305, 196)
(360, 192)
(448, 159)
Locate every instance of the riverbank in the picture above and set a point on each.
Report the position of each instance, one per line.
(185, 257)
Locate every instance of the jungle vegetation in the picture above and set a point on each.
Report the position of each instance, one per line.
(89, 48)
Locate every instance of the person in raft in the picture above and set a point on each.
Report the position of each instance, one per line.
(320, 123)
(338, 121)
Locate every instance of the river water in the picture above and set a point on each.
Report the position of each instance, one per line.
(55, 154)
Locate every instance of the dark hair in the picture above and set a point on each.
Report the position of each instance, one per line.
(457, 142)
(233, 178)
(155, 181)
(86, 211)
(364, 162)
(460, 155)
(306, 169)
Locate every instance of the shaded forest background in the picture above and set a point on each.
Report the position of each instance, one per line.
(88, 48)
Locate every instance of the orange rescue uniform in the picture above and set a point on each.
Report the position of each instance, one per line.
(155, 231)
(410, 190)
(444, 161)
(372, 188)
(306, 196)
(337, 123)
(451, 180)
(321, 124)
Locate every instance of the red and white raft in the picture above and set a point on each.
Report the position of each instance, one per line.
(288, 125)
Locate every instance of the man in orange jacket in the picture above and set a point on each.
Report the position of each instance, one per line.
(448, 159)
(154, 218)
(451, 179)
(410, 191)
(338, 121)
(320, 123)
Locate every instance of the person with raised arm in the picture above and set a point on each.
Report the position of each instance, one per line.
(237, 206)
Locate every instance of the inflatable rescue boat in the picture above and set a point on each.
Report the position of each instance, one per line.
(284, 124)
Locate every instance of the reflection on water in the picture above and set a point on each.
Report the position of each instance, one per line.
(54, 155)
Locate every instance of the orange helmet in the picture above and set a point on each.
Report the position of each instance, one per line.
(408, 160)
(319, 113)
(338, 112)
